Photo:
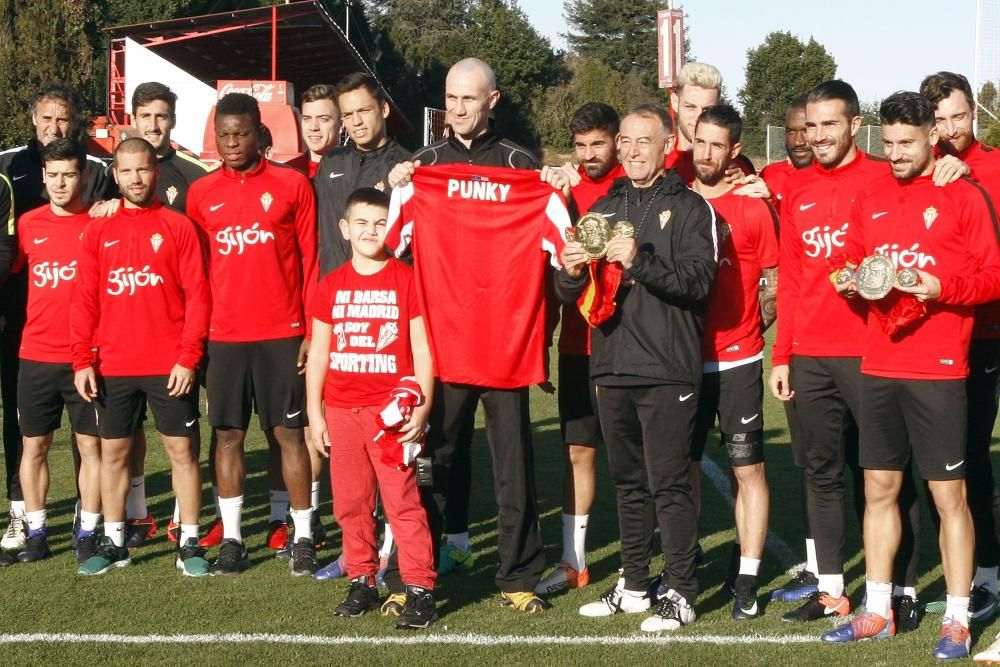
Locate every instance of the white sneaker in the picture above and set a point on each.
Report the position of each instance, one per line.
(617, 601)
(991, 654)
(672, 612)
(16, 537)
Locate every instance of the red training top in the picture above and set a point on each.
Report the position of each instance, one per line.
(815, 213)
(574, 337)
(370, 349)
(141, 300)
(50, 245)
(985, 164)
(748, 243)
(261, 228)
(950, 232)
(775, 175)
(479, 237)
(313, 168)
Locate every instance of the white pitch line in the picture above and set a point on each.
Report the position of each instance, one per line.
(774, 544)
(463, 639)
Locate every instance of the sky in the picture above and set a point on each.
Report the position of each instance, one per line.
(878, 46)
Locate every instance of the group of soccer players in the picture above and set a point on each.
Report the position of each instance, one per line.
(128, 288)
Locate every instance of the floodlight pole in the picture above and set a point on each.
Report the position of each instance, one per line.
(975, 72)
(274, 42)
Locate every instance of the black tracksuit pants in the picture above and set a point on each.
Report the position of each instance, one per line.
(648, 433)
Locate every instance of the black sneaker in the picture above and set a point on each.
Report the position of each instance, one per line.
(819, 605)
(907, 613)
(800, 587)
(982, 605)
(419, 611)
(361, 597)
(37, 547)
(7, 559)
(232, 559)
(86, 544)
(303, 558)
(745, 605)
(318, 531)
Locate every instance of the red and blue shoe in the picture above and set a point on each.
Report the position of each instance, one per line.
(954, 642)
(866, 625)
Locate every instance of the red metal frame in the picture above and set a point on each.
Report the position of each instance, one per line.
(117, 106)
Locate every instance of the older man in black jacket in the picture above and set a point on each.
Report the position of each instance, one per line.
(646, 362)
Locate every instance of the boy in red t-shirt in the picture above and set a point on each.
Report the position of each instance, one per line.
(369, 340)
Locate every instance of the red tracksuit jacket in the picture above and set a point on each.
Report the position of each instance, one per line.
(141, 301)
(261, 229)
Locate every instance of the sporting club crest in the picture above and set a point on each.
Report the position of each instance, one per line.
(156, 241)
(930, 215)
(388, 332)
(664, 218)
(266, 200)
(171, 194)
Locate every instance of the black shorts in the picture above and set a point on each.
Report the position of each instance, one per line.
(260, 376)
(922, 418)
(122, 401)
(43, 389)
(578, 421)
(736, 395)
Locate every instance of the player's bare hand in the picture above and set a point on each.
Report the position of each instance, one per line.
(415, 427)
(402, 173)
(573, 259)
(733, 174)
(319, 437)
(555, 177)
(104, 209)
(572, 174)
(752, 186)
(928, 288)
(85, 381)
(181, 381)
(623, 250)
(303, 357)
(948, 169)
(781, 386)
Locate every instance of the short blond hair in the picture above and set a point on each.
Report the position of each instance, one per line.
(701, 75)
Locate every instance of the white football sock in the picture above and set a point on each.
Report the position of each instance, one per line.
(750, 566)
(116, 531)
(36, 519)
(833, 584)
(904, 590)
(879, 598)
(811, 565)
(386, 542)
(89, 520)
(957, 609)
(231, 510)
(17, 508)
(177, 513)
(279, 506)
(187, 532)
(574, 534)
(314, 497)
(987, 578)
(135, 504)
(459, 540)
(302, 520)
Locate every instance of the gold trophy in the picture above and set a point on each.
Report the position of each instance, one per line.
(593, 232)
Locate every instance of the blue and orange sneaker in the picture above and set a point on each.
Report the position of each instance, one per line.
(867, 625)
(954, 642)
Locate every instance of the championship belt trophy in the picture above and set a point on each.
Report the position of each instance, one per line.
(593, 232)
(876, 276)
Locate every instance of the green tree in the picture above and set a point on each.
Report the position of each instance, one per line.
(777, 71)
(500, 33)
(988, 114)
(618, 33)
(590, 81)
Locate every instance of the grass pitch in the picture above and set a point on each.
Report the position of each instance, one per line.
(151, 598)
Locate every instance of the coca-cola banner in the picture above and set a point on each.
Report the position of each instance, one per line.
(266, 92)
